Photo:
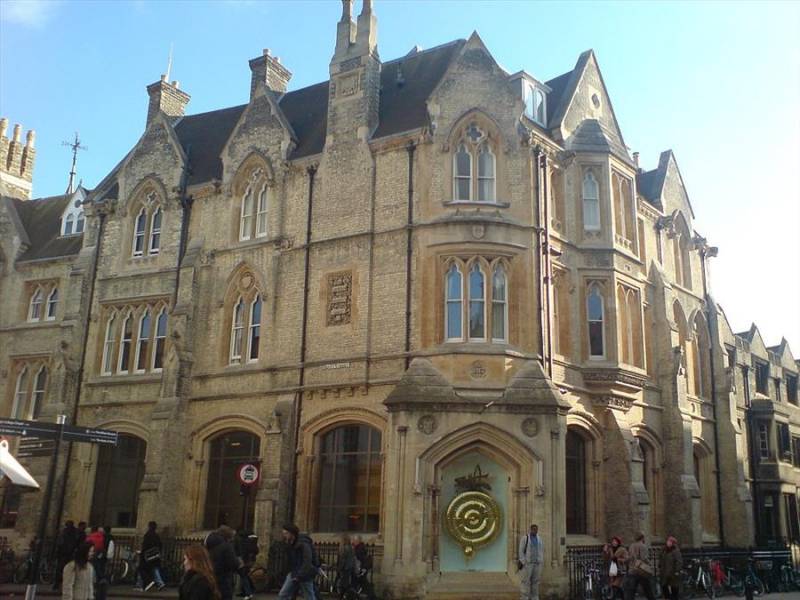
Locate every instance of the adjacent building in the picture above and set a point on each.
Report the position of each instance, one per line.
(432, 301)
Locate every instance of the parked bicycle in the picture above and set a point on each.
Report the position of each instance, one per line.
(697, 580)
(124, 567)
(789, 578)
(730, 581)
(22, 573)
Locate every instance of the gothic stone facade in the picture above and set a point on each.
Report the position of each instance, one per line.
(413, 269)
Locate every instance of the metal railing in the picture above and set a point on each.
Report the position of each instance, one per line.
(768, 562)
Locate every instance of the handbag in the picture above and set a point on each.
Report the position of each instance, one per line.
(152, 554)
(642, 568)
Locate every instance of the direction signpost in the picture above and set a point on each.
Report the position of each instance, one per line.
(41, 439)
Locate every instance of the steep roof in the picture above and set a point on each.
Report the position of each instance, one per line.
(203, 136)
(555, 98)
(41, 219)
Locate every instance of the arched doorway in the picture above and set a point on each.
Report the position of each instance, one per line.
(120, 470)
(227, 501)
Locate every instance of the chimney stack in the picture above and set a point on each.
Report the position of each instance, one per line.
(267, 69)
(16, 162)
(166, 98)
(636, 159)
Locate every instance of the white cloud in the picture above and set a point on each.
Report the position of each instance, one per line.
(31, 13)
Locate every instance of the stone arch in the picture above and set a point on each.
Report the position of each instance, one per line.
(246, 284)
(522, 464)
(252, 162)
(474, 115)
(473, 135)
(199, 445)
(151, 182)
(308, 468)
(652, 449)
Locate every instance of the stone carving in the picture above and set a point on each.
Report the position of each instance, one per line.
(530, 427)
(477, 370)
(350, 64)
(348, 85)
(427, 424)
(598, 259)
(478, 231)
(613, 402)
(340, 293)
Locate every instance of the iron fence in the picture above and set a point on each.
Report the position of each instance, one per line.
(580, 560)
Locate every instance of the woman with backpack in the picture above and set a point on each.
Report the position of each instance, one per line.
(78, 576)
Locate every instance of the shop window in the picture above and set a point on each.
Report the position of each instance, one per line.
(120, 470)
(227, 501)
(351, 475)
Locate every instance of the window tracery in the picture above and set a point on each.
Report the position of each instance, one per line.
(134, 339)
(474, 148)
(147, 224)
(476, 300)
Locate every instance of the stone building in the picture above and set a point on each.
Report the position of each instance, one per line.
(423, 290)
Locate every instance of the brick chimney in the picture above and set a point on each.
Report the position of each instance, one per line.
(166, 98)
(268, 69)
(16, 162)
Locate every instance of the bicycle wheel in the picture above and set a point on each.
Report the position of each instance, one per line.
(45, 572)
(735, 584)
(705, 581)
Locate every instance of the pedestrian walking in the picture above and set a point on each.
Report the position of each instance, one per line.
(81, 532)
(102, 563)
(615, 560)
(78, 575)
(223, 558)
(301, 562)
(530, 561)
(149, 574)
(640, 571)
(347, 566)
(671, 565)
(66, 544)
(363, 567)
(198, 582)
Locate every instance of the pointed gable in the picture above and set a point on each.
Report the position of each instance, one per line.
(784, 354)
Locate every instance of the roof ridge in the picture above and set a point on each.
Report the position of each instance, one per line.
(208, 112)
(427, 50)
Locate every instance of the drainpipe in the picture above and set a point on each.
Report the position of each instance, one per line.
(754, 458)
(548, 268)
(536, 210)
(81, 367)
(409, 224)
(705, 252)
(186, 207)
(298, 405)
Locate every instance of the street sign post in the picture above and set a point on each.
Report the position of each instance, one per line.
(44, 439)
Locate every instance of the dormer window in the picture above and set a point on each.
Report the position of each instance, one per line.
(72, 221)
(535, 103)
(147, 224)
(471, 183)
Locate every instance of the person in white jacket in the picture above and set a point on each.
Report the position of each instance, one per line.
(531, 559)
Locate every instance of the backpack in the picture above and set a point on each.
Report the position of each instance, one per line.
(315, 560)
(251, 546)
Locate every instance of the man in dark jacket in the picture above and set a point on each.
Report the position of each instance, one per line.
(246, 546)
(364, 559)
(150, 559)
(302, 568)
(223, 557)
(65, 549)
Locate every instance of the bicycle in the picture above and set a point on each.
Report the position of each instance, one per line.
(731, 581)
(697, 580)
(123, 569)
(789, 578)
(22, 573)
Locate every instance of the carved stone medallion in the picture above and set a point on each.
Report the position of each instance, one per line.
(427, 424)
(478, 231)
(530, 426)
(477, 370)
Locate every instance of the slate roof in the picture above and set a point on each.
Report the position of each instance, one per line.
(41, 219)
(647, 182)
(557, 86)
(592, 136)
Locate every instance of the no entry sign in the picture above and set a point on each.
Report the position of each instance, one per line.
(248, 474)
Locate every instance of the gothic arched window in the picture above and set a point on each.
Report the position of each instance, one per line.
(253, 222)
(120, 470)
(147, 225)
(35, 307)
(350, 481)
(244, 311)
(142, 342)
(155, 231)
(591, 202)
(477, 303)
(159, 340)
(69, 224)
(109, 344)
(225, 504)
(52, 304)
(237, 331)
(474, 148)
(454, 305)
(499, 305)
(39, 388)
(254, 335)
(595, 313)
(19, 407)
(575, 468)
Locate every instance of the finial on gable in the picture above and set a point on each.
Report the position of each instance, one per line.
(347, 10)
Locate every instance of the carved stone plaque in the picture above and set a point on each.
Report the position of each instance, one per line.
(347, 85)
(427, 424)
(340, 293)
(477, 370)
(530, 427)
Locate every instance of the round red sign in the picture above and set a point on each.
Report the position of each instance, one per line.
(248, 474)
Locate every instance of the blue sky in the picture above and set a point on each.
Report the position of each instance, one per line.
(719, 83)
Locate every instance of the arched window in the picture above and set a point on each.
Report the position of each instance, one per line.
(120, 470)
(470, 183)
(142, 342)
(477, 303)
(125, 344)
(226, 504)
(35, 308)
(686, 262)
(561, 313)
(486, 177)
(651, 481)
(591, 202)
(702, 361)
(576, 453)
(454, 306)
(155, 231)
(351, 475)
(261, 214)
(80, 224)
(629, 326)
(159, 340)
(595, 317)
(248, 209)
(237, 331)
(140, 224)
(19, 406)
(254, 336)
(52, 304)
(557, 217)
(462, 167)
(499, 305)
(69, 224)
(539, 112)
(39, 387)
(108, 344)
